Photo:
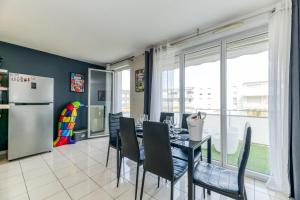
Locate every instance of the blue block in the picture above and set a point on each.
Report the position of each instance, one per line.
(65, 133)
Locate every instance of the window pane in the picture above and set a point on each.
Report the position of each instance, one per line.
(125, 107)
(170, 91)
(202, 91)
(247, 100)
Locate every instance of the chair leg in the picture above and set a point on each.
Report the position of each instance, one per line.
(143, 181)
(119, 171)
(107, 156)
(158, 181)
(172, 190)
(194, 191)
(201, 154)
(118, 162)
(245, 194)
(137, 180)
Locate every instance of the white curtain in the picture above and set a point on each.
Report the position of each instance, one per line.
(117, 92)
(155, 107)
(164, 61)
(279, 57)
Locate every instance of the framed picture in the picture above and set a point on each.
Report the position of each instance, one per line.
(101, 95)
(139, 80)
(77, 82)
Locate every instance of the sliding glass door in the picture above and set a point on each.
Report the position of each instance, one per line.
(247, 99)
(202, 90)
(228, 80)
(100, 101)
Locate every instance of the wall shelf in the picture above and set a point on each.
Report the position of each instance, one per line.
(3, 71)
(3, 88)
(4, 106)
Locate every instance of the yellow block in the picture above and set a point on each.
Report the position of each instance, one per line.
(64, 112)
(66, 119)
(74, 113)
(56, 141)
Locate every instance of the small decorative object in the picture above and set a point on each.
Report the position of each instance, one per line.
(101, 95)
(1, 75)
(195, 125)
(139, 80)
(1, 59)
(1, 78)
(66, 124)
(77, 82)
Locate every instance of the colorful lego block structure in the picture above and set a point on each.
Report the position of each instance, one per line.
(66, 124)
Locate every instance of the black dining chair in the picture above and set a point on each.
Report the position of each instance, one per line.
(183, 120)
(158, 155)
(164, 115)
(114, 126)
(224, 181)
(130, 147)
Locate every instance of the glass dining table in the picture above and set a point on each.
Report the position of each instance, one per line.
(181, 140)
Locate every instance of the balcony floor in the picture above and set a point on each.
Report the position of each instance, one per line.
(258, 158)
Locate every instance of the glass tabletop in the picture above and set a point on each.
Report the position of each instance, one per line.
(179, 139)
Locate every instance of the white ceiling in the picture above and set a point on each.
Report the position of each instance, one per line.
(102, 31)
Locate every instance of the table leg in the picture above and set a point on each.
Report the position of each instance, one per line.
(118, 155)
(209, 150)
(208, 156)
(190, 174)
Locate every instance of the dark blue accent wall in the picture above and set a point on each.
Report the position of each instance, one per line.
(28, 61)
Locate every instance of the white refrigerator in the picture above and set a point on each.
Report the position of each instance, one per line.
(30, 129)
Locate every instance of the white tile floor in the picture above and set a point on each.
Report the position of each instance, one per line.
(78, 172)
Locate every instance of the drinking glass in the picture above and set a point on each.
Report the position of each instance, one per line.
(145, 117)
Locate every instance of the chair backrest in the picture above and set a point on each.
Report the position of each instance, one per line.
(130, 146)
(243, 156)
(183, 121)
(158, 156)
(163, 116)
(114, 125)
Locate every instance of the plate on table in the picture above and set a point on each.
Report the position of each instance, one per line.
(172, 136)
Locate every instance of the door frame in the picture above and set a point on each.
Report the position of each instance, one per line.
(89, 99)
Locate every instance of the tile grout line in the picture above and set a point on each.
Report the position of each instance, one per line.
(151, 196)
(90, 178)
(82, 170)
(112, 172)
(56, 178)
(86, 148)
(27, 191)
(122, 176)
(95, 181)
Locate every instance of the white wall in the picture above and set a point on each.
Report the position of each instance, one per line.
(136, 98)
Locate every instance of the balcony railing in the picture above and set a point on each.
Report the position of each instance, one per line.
(236, 119)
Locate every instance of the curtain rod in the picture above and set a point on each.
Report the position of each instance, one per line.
(219, 28)
(129, 58)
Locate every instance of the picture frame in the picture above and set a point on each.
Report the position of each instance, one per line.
(77, 82)
(139, 80)
(101, 95)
